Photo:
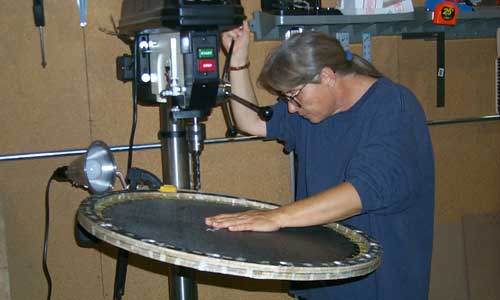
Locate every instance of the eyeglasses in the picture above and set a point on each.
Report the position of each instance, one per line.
(292, 97)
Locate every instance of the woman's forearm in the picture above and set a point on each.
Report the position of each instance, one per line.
(334, 204)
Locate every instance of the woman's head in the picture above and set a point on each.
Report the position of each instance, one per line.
(301, 58)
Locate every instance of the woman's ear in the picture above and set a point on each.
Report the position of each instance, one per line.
(328, 76)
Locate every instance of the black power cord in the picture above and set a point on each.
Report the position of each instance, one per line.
(59, 175)
(134, 113)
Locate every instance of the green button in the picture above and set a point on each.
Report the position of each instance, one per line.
(206, 53)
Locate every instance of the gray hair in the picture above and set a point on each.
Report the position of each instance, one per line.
(300, 59)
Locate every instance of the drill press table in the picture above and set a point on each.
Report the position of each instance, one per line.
(170, 227)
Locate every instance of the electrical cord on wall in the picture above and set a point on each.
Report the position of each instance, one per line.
(59, 175)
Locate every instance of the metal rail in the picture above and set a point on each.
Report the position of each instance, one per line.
(464, 120)
(71, 152)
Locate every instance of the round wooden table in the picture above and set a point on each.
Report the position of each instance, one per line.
(170, 227)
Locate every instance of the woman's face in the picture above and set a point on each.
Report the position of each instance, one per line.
(313, 101)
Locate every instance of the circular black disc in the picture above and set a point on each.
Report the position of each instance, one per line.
(170, 227)
(182, 225)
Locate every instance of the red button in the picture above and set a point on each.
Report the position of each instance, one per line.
(206, 65)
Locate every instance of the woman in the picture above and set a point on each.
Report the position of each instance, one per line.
(364, 153)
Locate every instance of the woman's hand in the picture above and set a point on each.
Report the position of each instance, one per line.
(252, 220)
(241, 37)
(331, 205)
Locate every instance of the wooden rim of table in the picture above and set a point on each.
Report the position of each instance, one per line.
(91, 218)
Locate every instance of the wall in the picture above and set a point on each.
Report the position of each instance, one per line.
(77, 99)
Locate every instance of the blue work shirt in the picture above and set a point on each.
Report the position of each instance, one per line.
(382, 146)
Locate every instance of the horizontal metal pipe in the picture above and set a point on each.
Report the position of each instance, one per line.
(34, 155)
(71, 152)
(464, 120)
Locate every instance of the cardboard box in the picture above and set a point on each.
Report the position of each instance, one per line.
(374, 7)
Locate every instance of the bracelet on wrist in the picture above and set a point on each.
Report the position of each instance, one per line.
(245, 66)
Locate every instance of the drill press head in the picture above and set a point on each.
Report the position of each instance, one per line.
(175, 51)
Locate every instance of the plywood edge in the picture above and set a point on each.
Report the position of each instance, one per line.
(4, 269)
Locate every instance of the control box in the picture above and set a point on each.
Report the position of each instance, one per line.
(181, 66)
